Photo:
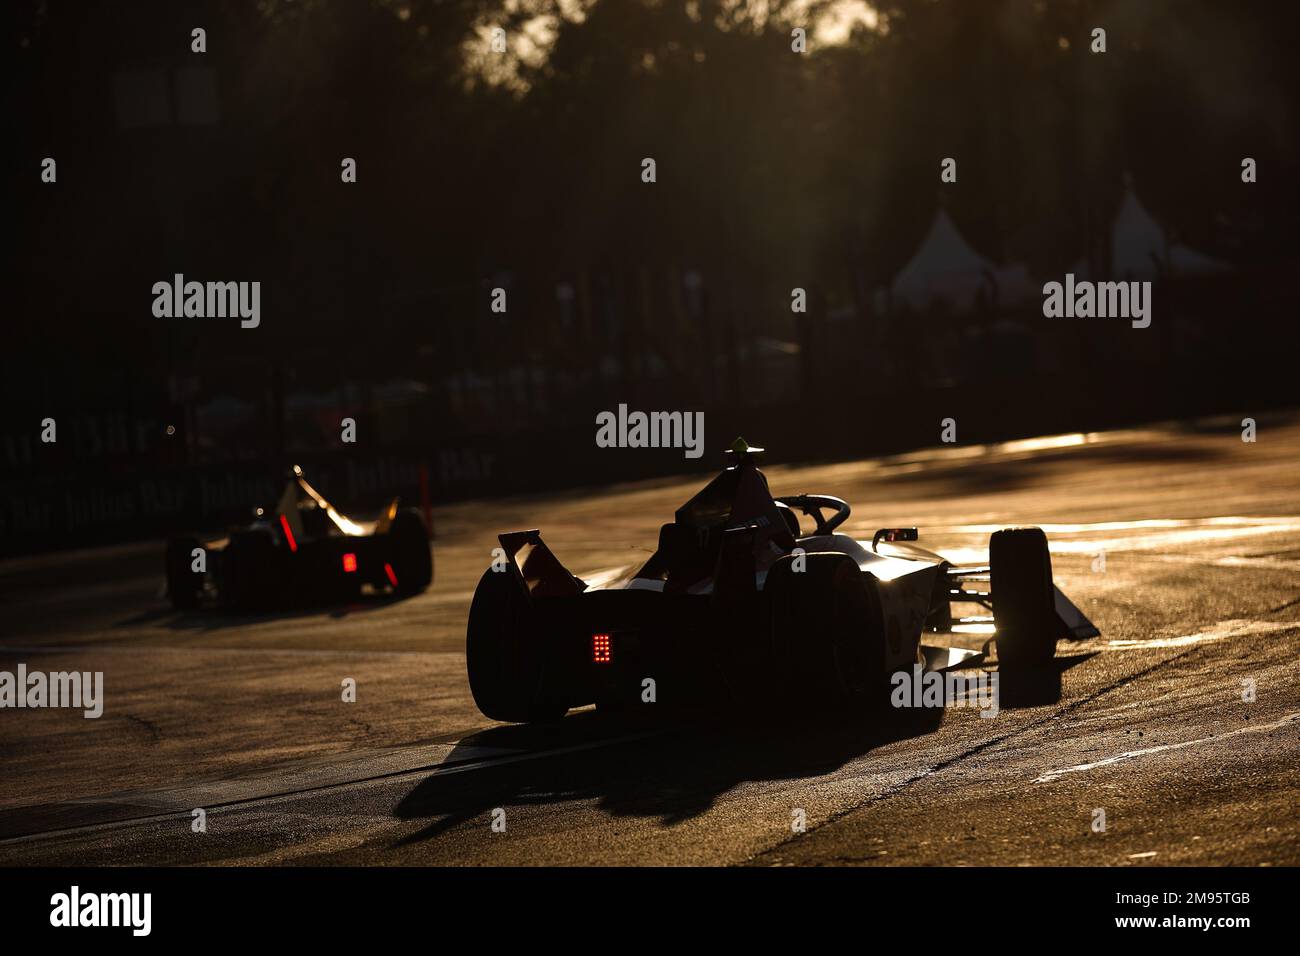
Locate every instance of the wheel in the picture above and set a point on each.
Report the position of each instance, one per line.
(826, 629)
(1024, 612)
(184, 584)
(409, 554)
(248, 566)
(504, 653)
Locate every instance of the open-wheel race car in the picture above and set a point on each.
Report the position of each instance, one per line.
(739, 606)
(303, 550)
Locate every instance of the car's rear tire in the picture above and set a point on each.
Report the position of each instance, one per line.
(505, 653)
(248, 572)
(826, 630)
(409, 552)
(184, 584)
(1023, 599)
(611, 705)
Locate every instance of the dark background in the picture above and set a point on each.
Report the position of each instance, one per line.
(523, 171)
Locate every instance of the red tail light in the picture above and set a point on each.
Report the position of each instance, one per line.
(392, 575)
(600, 649)
(288, 533)
(349, 562)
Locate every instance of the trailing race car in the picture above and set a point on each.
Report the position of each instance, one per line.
(303, 550)
(739, 606)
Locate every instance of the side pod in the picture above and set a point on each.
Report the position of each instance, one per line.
(733, 577)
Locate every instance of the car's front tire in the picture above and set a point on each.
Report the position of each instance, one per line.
(1024, 611)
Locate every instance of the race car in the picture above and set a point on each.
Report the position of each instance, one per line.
(740, 607)
(302, 550)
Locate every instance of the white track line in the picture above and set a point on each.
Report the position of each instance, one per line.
(1221, 631)
(1133, 754)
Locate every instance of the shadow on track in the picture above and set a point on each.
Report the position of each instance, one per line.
(1035, 686)
(675, 773)
(215, 618)
(672, 770)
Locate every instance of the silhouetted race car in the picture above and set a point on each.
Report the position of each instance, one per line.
(302, 550)
(739, 606)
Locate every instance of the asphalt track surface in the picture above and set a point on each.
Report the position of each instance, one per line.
(1198, 600)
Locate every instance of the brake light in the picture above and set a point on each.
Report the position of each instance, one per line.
(600, 649)
(288, 533)
(349, 562)
(392, 575)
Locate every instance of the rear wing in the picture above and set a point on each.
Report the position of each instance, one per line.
(386, 519)
(537, 569)
(286, 510)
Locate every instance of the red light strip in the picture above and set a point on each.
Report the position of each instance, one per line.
(288, 533)
(392, 576)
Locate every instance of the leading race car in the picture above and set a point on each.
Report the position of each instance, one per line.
(740, 607)
(302, 550)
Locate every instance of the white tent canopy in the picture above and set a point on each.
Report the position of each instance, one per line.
(945, 268)
(1137, 243)
(1140, 249)
(1186, 261)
